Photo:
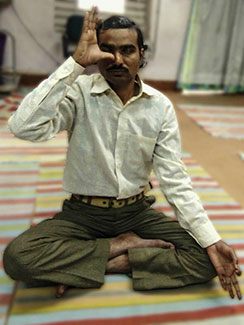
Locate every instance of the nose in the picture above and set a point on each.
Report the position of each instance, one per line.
(118, 58)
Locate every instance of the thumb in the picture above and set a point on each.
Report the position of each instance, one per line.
(107, 56)
(238, 270)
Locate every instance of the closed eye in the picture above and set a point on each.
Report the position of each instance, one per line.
(106, 48)
(128, 49)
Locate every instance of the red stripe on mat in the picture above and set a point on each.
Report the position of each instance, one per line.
(37, 151)
(17, 201)
(18, 184)
(195, 185)
(240, 259)
(17, 95)
(5, 299)
(49, 190)
(19, 172)
(209, 207)
(16, 216)
(5, 240)
(237, 246)
(53, 164)
(49, 182)
(162, 318)
(223, 207)
(229, 216)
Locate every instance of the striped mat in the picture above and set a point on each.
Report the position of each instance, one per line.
(219, 121)
(49, 192)
(21, 173)
(25, 150)
(31, 190)
(11, 146)
(18, 181)
(116, 302)
(8, 105)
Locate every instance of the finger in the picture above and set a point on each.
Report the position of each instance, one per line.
(229, 287)
(85, 23)
(222, 282)
(236, 287)
(98, 21)
(234, 257)
(238, 270)
(95, 17)
(92, 19)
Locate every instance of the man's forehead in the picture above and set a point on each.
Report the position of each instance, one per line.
(118, 36)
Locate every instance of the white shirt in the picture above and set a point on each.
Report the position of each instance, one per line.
(113, 147)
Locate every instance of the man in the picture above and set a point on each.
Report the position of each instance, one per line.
(119, 128)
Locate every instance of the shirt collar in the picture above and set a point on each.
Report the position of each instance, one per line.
(144, 88)
(100, 85)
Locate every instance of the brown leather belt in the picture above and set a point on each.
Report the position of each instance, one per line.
(108, 202)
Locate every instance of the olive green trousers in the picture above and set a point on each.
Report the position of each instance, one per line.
(73, 248)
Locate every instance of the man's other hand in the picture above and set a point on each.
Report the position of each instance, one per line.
(225, 262)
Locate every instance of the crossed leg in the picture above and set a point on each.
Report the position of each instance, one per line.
(118, 259)
(77, 248)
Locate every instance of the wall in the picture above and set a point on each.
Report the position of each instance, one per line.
(38, 16)
(173, 20)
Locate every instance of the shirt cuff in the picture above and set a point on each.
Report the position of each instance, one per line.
(205, 235)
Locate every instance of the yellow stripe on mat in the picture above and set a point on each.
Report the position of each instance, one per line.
(119, 300)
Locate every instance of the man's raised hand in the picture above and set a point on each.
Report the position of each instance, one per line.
(87, 51)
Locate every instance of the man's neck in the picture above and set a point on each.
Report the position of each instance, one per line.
(126, 92)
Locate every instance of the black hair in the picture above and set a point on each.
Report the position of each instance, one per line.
(118, 22)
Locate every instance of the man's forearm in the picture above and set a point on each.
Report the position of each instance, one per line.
(41, 114)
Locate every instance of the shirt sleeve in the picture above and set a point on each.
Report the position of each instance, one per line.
(48, 109)
(176, 184)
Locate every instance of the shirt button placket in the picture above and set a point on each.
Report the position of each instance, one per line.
(118, 147)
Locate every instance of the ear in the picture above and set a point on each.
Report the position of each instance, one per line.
(142, 52)
(142, 58)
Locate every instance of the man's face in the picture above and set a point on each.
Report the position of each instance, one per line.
(122, 43)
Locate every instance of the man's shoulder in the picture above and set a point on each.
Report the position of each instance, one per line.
(154, 93)
(87, 81)
(89, 77)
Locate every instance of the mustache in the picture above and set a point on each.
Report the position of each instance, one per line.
(117, 67)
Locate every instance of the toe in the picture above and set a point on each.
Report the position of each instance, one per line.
(61, 290)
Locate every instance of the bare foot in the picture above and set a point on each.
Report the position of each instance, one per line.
(119, 264)
(120, 244)
(61, 289)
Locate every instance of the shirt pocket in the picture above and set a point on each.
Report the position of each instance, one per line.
(139, 150)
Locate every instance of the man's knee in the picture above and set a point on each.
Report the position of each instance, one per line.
(201, 264)
(13, 260)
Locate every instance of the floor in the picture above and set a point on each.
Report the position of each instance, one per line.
(218, 156)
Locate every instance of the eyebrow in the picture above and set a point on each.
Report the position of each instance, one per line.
(122, 46)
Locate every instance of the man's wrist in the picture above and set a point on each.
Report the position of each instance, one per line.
(215, 243)
(79, 61)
